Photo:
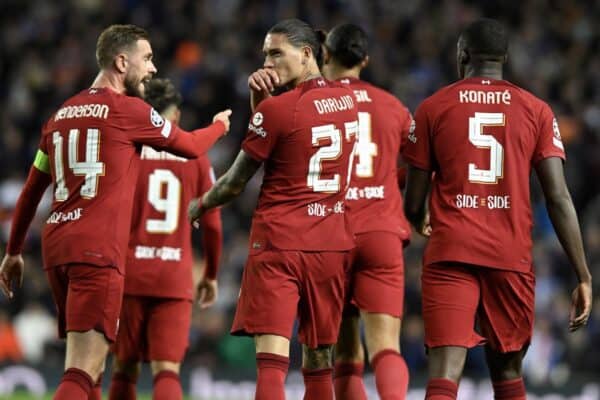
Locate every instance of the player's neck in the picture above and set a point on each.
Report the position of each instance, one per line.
(307, 77)
(484, 69)
(108, 80)
(335, 72)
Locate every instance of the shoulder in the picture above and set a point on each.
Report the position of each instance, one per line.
(529, 98)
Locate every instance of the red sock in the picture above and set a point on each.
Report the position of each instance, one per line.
(75, 384)
(122, 387)
(318, 384)
(167, 386)
(271, 372)
(391, 375)
(441, 389)
(96, 393)
(348, 381)
(513, 389)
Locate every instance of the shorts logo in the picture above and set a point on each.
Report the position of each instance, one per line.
(258, 119)
(156, 119)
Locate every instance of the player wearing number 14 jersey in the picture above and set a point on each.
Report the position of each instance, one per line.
(299, 241)
(157, 306)
(482, 136)
(374, 207)
(88, 150)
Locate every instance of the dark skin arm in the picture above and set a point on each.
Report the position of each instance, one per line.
(564, 219)
(227, 187)
(417, 188)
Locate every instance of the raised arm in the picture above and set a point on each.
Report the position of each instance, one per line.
(194, 144)
(564, 219)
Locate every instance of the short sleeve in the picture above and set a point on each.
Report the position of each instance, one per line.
(549, 143)
(263, 130)
(417, 151)
(143, 124)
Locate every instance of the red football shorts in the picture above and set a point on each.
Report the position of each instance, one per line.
(87, 297)
(279, 286)
(377, 277)
(153, 329)
(456, 296)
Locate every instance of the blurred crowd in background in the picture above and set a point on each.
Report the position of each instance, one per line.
(208, 48)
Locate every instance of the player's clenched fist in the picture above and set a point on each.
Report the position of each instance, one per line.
(223, 116)
(263, 80)
(11, 272)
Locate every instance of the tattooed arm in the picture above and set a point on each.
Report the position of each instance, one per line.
(228, 186)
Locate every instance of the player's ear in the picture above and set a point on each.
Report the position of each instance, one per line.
(326, 54)
(464, 57)
(121, 62)
(364, 62)
(306, 53)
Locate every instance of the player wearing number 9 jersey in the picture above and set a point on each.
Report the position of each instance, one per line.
(482, 136)
(299, 242)
(157, 306)
(374, 207)
(89, 151)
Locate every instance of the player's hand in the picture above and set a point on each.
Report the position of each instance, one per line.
(11, 274)
(263, 80)
(207, 292)
(581, 306)
(195, 212)
(425, 228)
(223, 116)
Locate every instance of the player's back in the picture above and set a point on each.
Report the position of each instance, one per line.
(307, 135)
(91, 145)
(484, 137)
(160, 247)
(373, 200)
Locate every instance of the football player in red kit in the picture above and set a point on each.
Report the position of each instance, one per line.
(374, 207)
(482, 136)
(88, 150)
(300, 240)
(157, 307)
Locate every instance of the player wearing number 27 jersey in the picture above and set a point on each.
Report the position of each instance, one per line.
(300, 239)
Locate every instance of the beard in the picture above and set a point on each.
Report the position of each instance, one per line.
(133, 87)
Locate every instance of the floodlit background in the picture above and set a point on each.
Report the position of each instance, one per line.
(47, 54)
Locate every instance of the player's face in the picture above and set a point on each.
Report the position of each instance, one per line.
(140, 68)
(287, 60)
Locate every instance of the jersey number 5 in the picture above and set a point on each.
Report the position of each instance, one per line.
(478, 138)
(331, 152)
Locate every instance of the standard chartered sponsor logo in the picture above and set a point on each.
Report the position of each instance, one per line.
(164, 253)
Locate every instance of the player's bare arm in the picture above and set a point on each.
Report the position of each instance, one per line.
(564, 219)
(417, 188)
(227, 187)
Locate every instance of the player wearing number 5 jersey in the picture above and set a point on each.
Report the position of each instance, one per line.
(157, 306)
(89, 151)
(299, 241)
(482, 136)
(374, 207)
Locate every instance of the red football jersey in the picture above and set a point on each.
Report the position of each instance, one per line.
(160, 247)
(305, 138)
(482, 137)
(373, 200)
(91, 143)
